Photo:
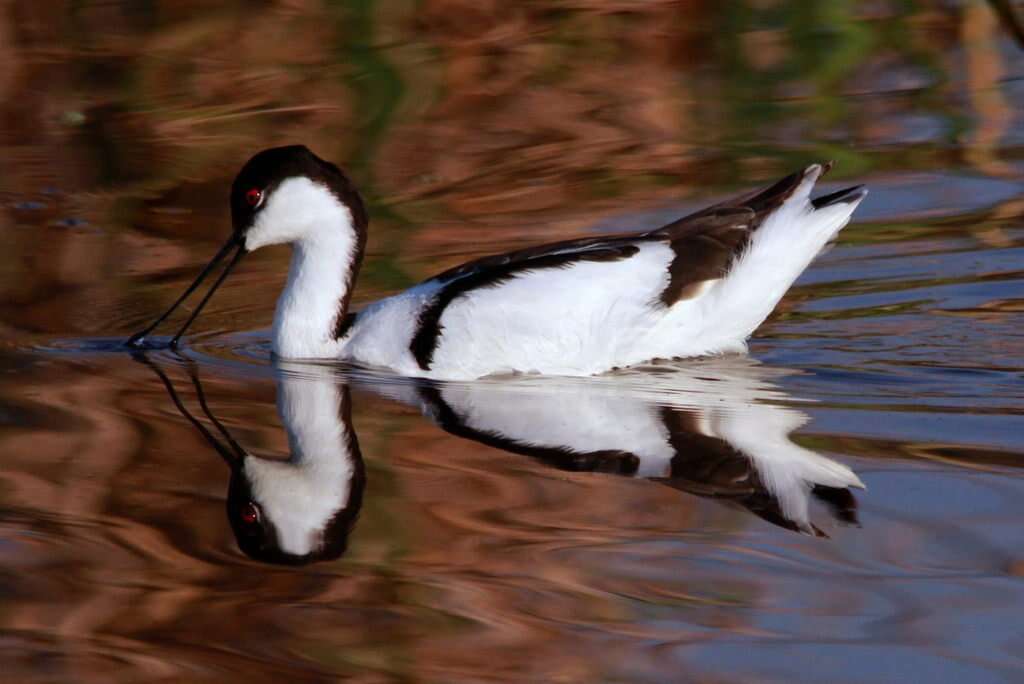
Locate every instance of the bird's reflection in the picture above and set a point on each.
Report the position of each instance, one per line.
(302, 509)
(713, 429)
(710, 431)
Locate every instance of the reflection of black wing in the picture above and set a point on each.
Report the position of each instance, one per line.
(700, 463)
(711, 467)
(562, 457)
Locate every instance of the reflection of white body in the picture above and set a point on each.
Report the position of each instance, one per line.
(652, 415)
(299, 496)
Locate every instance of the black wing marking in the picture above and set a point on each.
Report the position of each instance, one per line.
(705, 250)
(850, 194)
(493, 271)
(705, 245)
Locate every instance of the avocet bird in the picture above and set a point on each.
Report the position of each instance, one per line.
(697, 286)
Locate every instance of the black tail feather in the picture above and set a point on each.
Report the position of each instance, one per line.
(838, 197)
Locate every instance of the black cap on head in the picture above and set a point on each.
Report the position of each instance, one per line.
(267, 169)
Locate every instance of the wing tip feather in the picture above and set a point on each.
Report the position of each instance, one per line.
(850, 195)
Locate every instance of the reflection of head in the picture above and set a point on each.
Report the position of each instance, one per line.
(301, 510)
(295, 535)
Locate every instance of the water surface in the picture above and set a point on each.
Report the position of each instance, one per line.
(637, 527)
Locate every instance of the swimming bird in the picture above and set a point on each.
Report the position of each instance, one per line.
(698, 286)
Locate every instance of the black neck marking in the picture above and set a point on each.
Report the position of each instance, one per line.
(345, 320)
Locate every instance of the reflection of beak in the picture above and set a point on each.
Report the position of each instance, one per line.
(233, 242)
(232, 453)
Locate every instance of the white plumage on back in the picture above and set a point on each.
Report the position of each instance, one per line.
(731, 308)
(589, 317)
(578, 320)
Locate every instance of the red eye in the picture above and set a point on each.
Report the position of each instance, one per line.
(250, 513)
(254, 197)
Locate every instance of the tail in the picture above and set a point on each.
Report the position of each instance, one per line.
(793, 231)
(798, 185)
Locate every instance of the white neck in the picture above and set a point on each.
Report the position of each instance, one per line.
(326, 249)
(323, 265)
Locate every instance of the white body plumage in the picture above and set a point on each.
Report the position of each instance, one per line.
(582, 317)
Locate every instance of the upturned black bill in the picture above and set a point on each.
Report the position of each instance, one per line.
(138, 338)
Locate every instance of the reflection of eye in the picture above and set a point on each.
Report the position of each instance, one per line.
(250, 513)
(254, 197)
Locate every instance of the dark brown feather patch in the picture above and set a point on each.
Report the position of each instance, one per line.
(705, 252)
(707, 243)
